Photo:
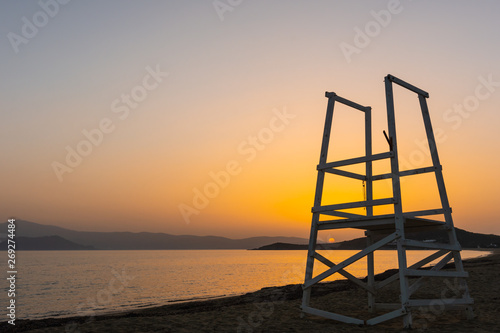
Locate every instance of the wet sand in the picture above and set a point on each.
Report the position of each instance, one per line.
(277, 309)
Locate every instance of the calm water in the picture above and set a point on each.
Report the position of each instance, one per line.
(68, 283)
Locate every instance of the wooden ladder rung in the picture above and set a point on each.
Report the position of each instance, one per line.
(442, 302)
(437, 246)
(420, 272)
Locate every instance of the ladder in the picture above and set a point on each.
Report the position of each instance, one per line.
(381, 230)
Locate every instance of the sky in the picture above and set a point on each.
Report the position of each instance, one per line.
(206, 117)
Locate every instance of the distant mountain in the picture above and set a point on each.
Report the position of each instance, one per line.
(44, 243)
(467, 239)
(142, 240)
(283, 246)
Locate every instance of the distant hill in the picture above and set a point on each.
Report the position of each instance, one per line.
(283, 246)
(44, 243)
(30, 235)
(467, 239)
(142, 240)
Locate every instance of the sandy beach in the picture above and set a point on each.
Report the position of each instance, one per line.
(277, 309)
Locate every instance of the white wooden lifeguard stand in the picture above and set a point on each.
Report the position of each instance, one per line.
(394, 228)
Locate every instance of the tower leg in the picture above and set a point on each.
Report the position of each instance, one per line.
(306, 297)
(452, 236)
(398, 208)
(370, 270)
(403, 282)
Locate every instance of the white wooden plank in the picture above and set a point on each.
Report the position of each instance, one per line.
(357, 204)
(317, 199)
(351, 103)
(419, 272)
(416, 265)
(368, 164)
(408, 86)
(350, 260)
(396, 191)
(342, 214)
(355, 160)
(407, 172)
(342, 224)
(344, 273)
(385, 317)
(331, 315)
(370, 268)
(437, 246)
(346, 173)
(416, 285)
(441, 302)
(426, 212)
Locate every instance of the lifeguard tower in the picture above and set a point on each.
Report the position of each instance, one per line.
(381, 230)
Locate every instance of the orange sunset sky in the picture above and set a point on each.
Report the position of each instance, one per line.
(115, 115)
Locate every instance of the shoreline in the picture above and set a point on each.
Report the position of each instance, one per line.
(260, 310)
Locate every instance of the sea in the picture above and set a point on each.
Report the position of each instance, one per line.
(86, 283)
